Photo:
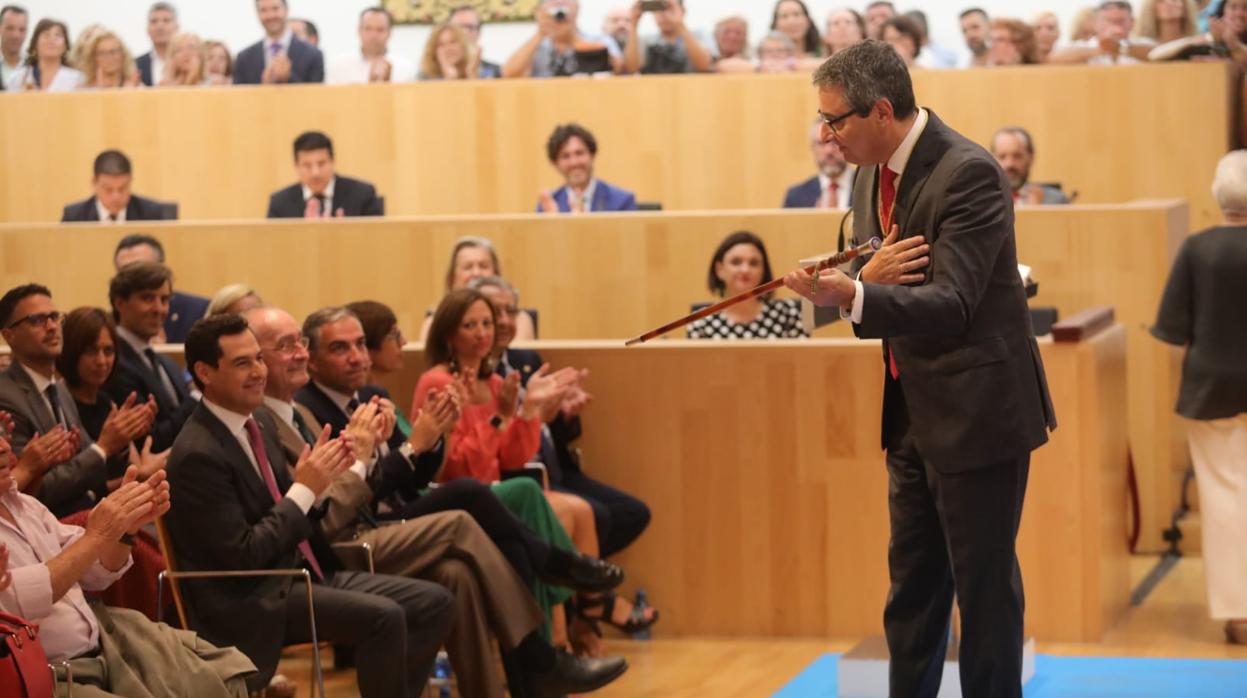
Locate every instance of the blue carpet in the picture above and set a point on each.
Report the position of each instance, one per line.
(1082, 677)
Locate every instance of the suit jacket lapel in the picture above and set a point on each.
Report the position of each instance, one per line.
(601, 194)
(927, 152)
(35, 406)
(151, 381)
(238, 460)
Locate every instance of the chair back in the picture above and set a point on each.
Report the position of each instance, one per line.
(166, 551)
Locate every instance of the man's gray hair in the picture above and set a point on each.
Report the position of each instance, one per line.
(163, 7)
(780, 37)
(1229, 184)
(867, 72)
(497, 282)
(320, 318)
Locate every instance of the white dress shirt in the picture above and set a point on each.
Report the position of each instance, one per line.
(896, 163)
(105, 214)
(41, 384)
(66, 80)
(355, 69)
(586, 197)
(844, 189)
(300, 494)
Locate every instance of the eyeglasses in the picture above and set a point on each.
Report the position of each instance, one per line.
(833, 122)
(287, 347)
(38, 319)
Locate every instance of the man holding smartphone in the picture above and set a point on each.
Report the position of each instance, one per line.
(676, 49)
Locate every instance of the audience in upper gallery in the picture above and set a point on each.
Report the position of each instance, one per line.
(58, 461)
(572, 149)
(468, 19)
(373, 62)
(903, 35)
(739, 264)
(792, 19)
(1164, 21)
(220, 466)
(1012, 43)
(561, 48)
(1082, 26)
(13, 22)
(931, 54)
(46, 565)
(832, 185)
(77, 54)
(448, 55)
(139, 295)
(877, 13)
(845, 27)
(1201, 310)
(234, 299)
(280, 57)
(220, 63)
(1112, 45)
(86, 363)
(306, 30)
(162, 25)
(620, 517)
(112, 201)
(1047, 30)
(776, 54)
(731, 39)
(1226, 37)
(188, 65)
(446, 547)
(616, 22)
(975, 28)
(320, 192)
(676, 48)
(184, 308)
(106, 62)
(472, 258)
(1015, 153)
(46, 67)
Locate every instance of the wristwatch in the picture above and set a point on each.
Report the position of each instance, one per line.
(126, 539)
(496, 421)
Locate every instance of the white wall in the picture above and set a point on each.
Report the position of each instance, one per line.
(234, 21)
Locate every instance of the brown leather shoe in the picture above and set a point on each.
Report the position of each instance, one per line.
(1236, 632)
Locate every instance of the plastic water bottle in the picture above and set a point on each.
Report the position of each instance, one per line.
(641, 604)
(441, 675)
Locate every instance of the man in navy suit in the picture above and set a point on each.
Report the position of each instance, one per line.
(320, 192)
(281, 56)
(162, 24)
(184, 308)
(832, 187)
(571, 150)
(112, 201)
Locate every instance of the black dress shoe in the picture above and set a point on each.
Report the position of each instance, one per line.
(572, 674)
(587, 574)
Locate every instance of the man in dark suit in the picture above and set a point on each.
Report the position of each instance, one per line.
(280, 57)
(965, 398)
(184, 308)
(320, 192)
(235, 507)
(162, 25)
(59, 463)
(832, 186)
(139, 294)
(572, 149)
(620, 517)
(112, 201)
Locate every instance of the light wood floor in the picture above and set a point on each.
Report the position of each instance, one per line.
(1172, 622)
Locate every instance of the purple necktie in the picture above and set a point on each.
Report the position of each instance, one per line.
(261, 457)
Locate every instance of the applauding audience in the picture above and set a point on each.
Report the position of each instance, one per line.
(1226, 37)
(321, 192)
(162, 25)
(469, 20)
(1111, 45)
(373, 62)
(572, 149)
(280, 57)
(46, 68)
(189, 65)
(739, 264)
(560, 48)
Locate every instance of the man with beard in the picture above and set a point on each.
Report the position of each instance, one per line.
(571, 150)
(974, 27)
(280, 57)
(1015, 152)
(832, 187)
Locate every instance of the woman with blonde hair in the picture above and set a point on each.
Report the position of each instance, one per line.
(1047, 28)
(1012, 43)
(236, 299)
(448, 55)
(106, 62)
(187, 68)
(218, 64)
(1163, 21)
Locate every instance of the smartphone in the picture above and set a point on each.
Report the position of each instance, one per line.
(653, 5)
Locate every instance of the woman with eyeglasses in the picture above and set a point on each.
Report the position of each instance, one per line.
(107, 63)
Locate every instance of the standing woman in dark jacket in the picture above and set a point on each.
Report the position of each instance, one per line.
(1202, 310)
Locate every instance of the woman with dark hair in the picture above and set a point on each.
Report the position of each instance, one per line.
(46, 68)
(739, 264)
(904, 35)
(472, 258)
(1226, 38)
(88, 356)
(792, 18)
(1012, 43)
(845, 27)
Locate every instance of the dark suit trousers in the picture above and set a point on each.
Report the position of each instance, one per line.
(395, 625)
(518, 544)
(620, 517)
(953, 534)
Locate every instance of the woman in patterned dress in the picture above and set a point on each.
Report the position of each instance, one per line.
(739, 264)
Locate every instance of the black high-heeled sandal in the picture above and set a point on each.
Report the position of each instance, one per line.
(636, 619)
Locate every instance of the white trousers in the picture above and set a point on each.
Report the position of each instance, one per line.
(1219, 454)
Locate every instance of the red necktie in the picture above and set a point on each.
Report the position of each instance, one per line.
(887, 199)
(266, 470)
(830, 195)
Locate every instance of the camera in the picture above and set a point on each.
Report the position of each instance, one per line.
(559, 14)
(653, 5)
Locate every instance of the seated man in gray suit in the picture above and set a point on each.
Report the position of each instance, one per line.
(1015, 153)
(58, 462)
(320, 191)
(280, 57)
(112, 201)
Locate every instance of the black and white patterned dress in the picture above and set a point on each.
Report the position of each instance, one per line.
(779, 319)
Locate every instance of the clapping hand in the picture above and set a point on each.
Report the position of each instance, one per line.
(159, 485)
(366, 429)
(48, 449)
(439, 416)
(148, 463)
(545, 388)
(127, 509)
(319, 465)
